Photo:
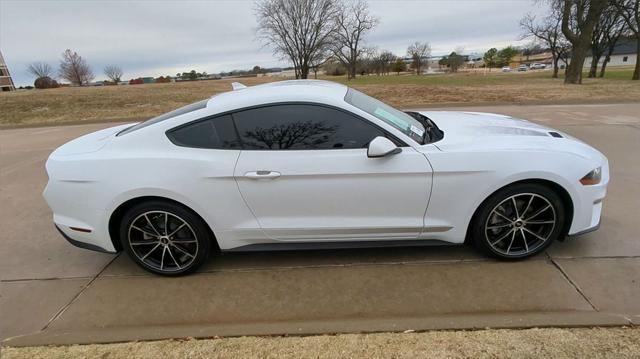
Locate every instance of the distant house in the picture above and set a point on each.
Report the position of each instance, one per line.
(540, 58)
(473, 60)
(624, 54)
(6, 83)
(281, 73)
(429, 62)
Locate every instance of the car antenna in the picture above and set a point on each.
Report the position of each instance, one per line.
(237, 86)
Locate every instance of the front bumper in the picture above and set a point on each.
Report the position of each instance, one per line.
(588, 201)
(588, 230)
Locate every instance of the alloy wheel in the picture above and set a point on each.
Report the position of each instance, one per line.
(163, 241)
(520, 224)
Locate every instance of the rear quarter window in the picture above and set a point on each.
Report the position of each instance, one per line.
(212, 133)
(181, 111)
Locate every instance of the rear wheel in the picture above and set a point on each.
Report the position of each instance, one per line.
(519, 221)
(164, 238)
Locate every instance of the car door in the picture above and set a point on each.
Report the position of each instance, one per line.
(305, 174)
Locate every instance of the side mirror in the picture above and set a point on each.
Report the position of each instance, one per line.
(382, 146)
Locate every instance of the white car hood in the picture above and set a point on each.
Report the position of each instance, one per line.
(469, 125)
(487, 131)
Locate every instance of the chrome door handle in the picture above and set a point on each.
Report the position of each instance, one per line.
(262, 174)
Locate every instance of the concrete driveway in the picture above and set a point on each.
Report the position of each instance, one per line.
(52, 292)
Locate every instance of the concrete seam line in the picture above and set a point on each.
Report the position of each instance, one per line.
(574, 284)
(634, 126)
(596, 257)
(75, 297)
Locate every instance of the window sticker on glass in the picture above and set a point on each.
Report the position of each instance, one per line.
(389, 116)
(417, 131)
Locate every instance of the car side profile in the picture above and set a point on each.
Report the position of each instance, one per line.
(314, 164)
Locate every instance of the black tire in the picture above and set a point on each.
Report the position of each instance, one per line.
(172, 249)
(489, 228)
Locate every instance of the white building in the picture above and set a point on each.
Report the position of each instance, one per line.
(624, 54)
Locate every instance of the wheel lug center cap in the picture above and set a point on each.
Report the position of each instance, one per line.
(164, 240)
(518, 224)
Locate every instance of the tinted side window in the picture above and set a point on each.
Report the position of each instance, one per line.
(299, 127)
(216, 133)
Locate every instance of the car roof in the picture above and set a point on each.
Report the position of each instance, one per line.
(281, 91)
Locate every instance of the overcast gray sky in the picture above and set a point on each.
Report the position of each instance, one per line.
(153, 38)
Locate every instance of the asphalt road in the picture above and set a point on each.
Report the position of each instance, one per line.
(52, 292)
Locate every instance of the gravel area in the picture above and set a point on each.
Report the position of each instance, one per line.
(530, 343)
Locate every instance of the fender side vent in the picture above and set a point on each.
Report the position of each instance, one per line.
(555, 134)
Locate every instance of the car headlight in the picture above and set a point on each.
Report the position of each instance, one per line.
(592, 177)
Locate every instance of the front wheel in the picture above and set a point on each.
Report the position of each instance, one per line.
(164, 238)
(518, 222)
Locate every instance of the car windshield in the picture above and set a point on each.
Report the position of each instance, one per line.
(396, 118)
(181, 111)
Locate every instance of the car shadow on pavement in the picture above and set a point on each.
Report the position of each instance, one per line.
(273, 260)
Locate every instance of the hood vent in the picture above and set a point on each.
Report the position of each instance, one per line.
(555, 134)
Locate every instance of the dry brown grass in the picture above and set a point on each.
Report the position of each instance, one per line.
(531, 92)
(530, 343)
(132, 103)
(108, 103)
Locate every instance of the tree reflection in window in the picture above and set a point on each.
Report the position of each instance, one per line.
(290, 136)
(302, 127)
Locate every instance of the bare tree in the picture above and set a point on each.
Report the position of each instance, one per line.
(611, 39)
(299, 30)
(318, 60)
(386, 59)
(419, 52)
(114, 73)
(629, 12)
(353, 21)
(40, 70)
(605, 35)
(579, 17)
(549, 32)
(75, 69)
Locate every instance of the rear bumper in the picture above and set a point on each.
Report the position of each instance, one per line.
(79, 222)
(83, 245)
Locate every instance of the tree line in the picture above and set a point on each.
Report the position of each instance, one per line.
(331, 33)
(310, 33)
(73, 68)
(574, 29)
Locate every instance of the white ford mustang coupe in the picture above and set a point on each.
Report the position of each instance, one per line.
(314, 164)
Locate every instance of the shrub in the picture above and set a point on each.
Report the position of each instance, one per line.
(45, 82)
